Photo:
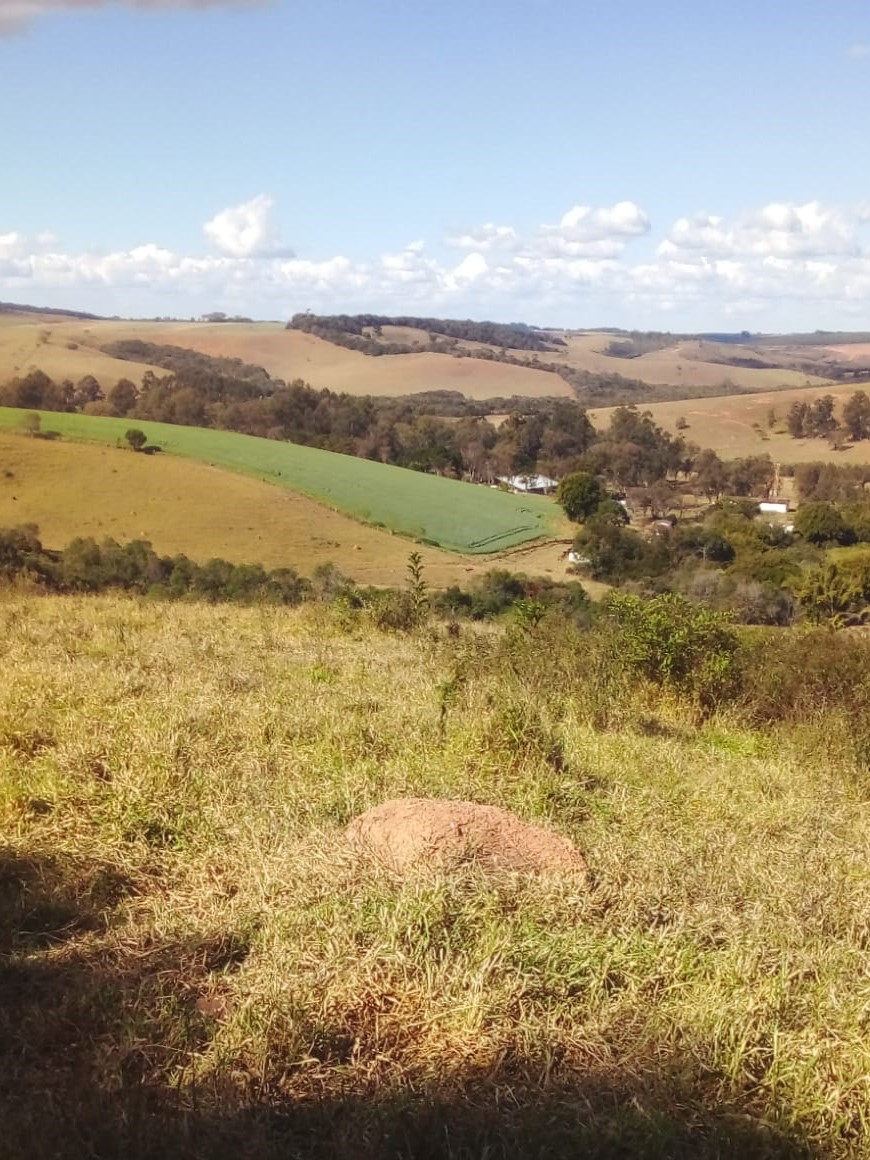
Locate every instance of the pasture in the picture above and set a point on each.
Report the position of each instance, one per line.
(685, 363)
(737, 425)
(194, 964)
(285, 354)
(458, 516)
(64, 348)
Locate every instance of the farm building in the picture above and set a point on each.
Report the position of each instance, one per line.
(774, 507)
(529, 484)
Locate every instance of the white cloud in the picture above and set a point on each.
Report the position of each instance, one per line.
(625, 219)
(858, 51)
(803, 263)
(488, 237)
(246, 230)
(16, 15)
(471, 269)
(780, 228)
(584, 232)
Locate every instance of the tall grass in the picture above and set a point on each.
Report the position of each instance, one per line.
(193, 964)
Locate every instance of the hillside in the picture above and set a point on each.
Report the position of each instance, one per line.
(181, 506)
(73, 349)
(444, 512)
(194, 964)
(669, 365)
(738, 425)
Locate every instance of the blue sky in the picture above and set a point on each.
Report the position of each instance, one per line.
(677, 166)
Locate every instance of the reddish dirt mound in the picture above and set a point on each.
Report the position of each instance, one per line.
(411, 831)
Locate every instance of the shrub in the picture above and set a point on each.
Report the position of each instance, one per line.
(136, 438)
(672, 642)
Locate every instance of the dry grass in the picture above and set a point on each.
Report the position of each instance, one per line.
(63, 350)
(737, 425)
(683, 363)
(286, 354)
(71, 349)
(181, 506)
(192, 964)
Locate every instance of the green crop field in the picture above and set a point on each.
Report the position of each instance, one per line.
(458, 516)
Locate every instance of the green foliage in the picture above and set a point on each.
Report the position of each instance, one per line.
(675, 643)
(580, 495)
(856, 416)
(821, 523)
(837, 593)
(616, 553)
(828, 481)
(452, 514)
(418, 589)
(136, 438)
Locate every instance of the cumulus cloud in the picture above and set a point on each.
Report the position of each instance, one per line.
(16, 15)
(486, 237)
(246, 230)
(784, 263)
(584, 232)
(780, 229)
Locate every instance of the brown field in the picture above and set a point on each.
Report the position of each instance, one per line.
(179, 505)
(63, 350)
(70, 349)
(725, 423)
(681, 364)
(285, 354)
(853, 351)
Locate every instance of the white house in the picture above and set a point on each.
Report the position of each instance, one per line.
(529, 484)
(774, 507)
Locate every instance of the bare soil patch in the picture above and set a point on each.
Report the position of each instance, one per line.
(408, 832)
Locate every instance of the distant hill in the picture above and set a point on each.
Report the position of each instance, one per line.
(54, 312)
(406, 355)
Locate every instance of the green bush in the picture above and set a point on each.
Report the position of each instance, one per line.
(674, 643)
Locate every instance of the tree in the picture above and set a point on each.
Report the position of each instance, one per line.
(820, 417)
(820, 523)
(796, 420)
(122, 397)
(836, 594)
(32, 423)
(856, 416)
(136, 438)
(580, 495)
(711, 474)
(87, 390)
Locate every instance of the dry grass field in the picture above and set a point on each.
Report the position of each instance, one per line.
(80, 489)
(60, 348)
(65, 348)
(285, 354)
(683, 364)
(728, 425)
(194, 964)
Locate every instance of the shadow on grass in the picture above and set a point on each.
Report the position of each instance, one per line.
(95, 1036)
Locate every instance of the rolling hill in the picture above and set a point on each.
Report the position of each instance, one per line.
(679, 366)
(737, 425)
(441, 512)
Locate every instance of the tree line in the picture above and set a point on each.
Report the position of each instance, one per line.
(817, 419)
(342, 328)
(552, 436)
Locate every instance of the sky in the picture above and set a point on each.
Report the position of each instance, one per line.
(681, 166)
